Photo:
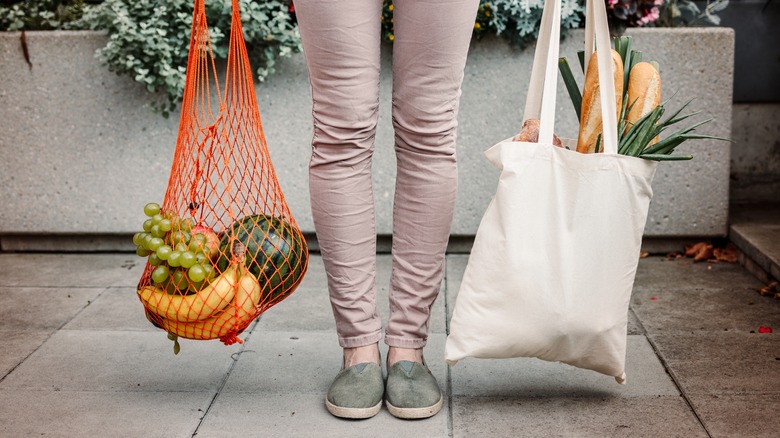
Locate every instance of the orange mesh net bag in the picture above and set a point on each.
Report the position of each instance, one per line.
(223, 247)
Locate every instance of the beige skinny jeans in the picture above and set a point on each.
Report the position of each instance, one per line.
(341, 44)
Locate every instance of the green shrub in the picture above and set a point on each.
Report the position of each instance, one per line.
(42, 14)
(149, 40)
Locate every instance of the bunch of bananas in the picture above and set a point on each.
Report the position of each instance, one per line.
(220, 309)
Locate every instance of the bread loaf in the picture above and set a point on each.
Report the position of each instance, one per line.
(590, 116)
(530, 133)
(644, 93)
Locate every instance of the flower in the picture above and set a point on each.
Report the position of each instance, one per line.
(632, 13)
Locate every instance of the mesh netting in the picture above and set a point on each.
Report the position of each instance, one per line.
(223, 247)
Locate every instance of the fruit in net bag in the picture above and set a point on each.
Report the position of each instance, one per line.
(272, 250)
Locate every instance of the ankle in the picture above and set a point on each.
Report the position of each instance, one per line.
(363, 354)
(396, 354)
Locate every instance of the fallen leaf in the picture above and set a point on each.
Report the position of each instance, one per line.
(643, 254)
(769, 289)
(692, 250)
(727, 254)
(703, 251)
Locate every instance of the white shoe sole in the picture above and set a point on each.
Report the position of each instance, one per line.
(415, 413)
(352, 413)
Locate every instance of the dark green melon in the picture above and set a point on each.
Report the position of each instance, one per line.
(272, 249)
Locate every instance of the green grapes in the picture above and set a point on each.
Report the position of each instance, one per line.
(165, 225)
(151, 209)
(155, 243)
(179, 256)
(154, 260)
(187, 259)
(196, 273)
(160, 274)
(164, 251)
(174, 259)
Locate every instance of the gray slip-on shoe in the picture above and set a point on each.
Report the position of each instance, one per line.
(356, 392)
(412, 391)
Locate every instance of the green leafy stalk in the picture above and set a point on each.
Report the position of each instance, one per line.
(633, 133)
(623, 47)
(571, 85)
(664, 157)
(634, 140)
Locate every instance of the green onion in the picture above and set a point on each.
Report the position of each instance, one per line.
(571, 85)
(664, 157)
(634, 140)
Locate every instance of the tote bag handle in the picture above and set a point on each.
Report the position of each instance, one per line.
(542, 87)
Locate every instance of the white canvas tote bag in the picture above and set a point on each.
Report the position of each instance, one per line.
(553, 263)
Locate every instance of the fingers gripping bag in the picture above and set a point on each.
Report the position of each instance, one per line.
(223, 247)
(553, 263)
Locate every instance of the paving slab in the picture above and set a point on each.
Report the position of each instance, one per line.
(279, 383)
(661, 273)
(17, 344)
(117, 308)
(304, 415)
(751, 415)
(308, 308)
(722, 363)
(704, 310)
(42, 308)
(304, 362)
(70, 270)
(26, 413)
(561, 416)
(528, 377)
(92, 360)
(456, 264)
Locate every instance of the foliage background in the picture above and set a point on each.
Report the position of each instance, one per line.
(148, 39)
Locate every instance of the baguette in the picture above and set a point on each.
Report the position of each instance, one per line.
(590, 116)
(644, 93)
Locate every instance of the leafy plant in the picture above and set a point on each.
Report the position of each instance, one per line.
(149, 40)
(18, 15)
(482, 23)
(677, 13)
(519, 20)
(632, 13)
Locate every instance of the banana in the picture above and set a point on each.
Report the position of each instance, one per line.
(232, 320)
(196, 307)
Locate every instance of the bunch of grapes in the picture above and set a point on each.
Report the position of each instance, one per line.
(179, 250)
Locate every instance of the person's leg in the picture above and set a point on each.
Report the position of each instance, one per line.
(429, 55)
(341, 45)
(341, 42)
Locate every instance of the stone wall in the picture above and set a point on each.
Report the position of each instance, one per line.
(82, 152)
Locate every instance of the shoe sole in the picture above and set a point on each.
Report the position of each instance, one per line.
(352, 413)
(415, 413)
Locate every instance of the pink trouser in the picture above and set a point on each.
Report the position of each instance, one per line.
(341, 43)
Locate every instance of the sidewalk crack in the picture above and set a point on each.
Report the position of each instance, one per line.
(235, 356)
(676, 382)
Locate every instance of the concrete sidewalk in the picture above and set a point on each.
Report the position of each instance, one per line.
(80, 360)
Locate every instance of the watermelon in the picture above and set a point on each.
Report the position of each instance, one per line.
(271, 248)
